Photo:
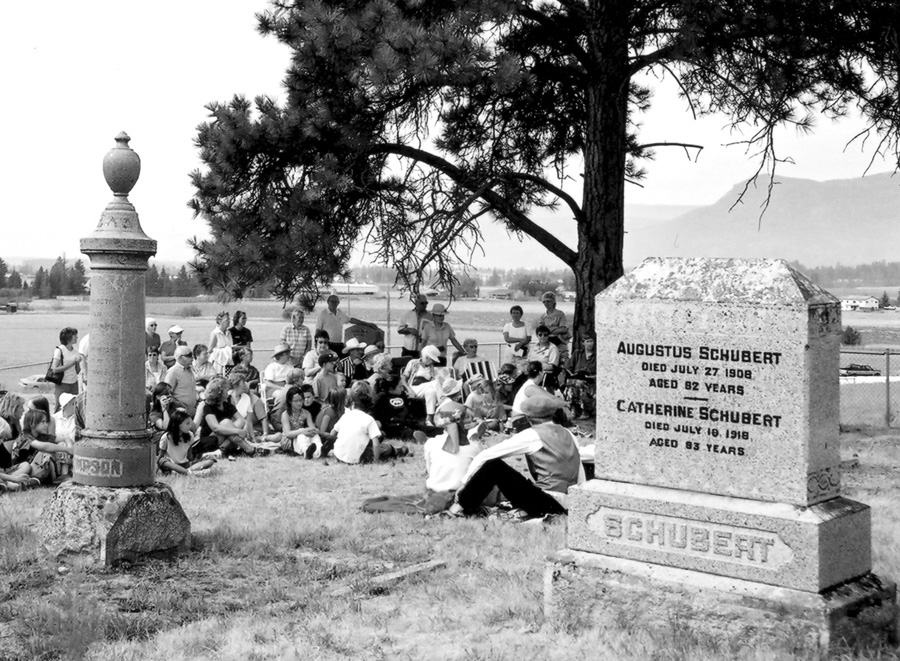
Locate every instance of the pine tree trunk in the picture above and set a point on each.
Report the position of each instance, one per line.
(601, 229)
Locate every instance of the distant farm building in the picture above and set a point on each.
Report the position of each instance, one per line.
(861, 303)
(501, 294)
(353, 289)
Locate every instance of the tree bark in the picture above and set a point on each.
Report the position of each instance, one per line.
(601, 228)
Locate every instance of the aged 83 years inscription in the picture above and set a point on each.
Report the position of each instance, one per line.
(695, 375)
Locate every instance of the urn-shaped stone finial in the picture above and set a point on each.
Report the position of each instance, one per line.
(121, 166)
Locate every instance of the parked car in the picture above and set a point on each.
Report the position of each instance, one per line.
(857, 369)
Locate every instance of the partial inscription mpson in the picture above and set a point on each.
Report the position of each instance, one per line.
(98, 467)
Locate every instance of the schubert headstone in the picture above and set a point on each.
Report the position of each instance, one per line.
(718, 500)
(114, 509)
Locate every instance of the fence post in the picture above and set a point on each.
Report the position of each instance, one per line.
(887, 387)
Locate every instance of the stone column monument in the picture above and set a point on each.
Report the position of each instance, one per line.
(717, 507)
(114, 509)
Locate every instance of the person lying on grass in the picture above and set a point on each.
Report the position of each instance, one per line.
(176, 444)
(220, 422)
(553, 461)
(359, 439)
(35, 452)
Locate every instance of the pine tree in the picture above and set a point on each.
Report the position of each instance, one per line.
(3, 270)
(14, 280)
(407, 122)
(56, 280)
(40, 286)
(76, 278)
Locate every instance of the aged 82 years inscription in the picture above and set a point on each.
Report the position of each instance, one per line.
(695, 423)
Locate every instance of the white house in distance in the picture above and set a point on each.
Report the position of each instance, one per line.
(860, 303)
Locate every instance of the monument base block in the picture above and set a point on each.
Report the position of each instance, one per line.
(101, 525)
(593, 590)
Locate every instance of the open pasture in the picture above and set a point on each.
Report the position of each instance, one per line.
(274, 539)
(28, 337)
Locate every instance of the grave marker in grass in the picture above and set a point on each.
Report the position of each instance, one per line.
(717, 502)
(113, 509)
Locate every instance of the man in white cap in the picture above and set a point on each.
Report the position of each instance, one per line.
(551, 453)
(353, 366)
(411, 326)
(181, 377)
(167, 348)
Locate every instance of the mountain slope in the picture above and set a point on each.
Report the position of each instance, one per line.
(847, 221)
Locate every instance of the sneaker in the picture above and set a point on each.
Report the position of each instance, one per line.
(456, 510)
(311, 451)
(215, 456)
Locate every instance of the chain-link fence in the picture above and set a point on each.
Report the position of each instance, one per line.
(870, 387)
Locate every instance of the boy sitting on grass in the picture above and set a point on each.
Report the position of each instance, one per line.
(359, 439)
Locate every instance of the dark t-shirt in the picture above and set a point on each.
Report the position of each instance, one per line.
(221, 412)
(241, 337)
(390, 408)
(314, 409)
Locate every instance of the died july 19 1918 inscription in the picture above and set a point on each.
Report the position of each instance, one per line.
(725, 395)
(717, 463)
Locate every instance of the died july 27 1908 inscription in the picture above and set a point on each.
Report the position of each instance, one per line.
(698, 374)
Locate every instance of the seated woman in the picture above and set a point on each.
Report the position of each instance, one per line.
(276, 374)
(548, 355)
(530, 388)
(470, 346)
(220, 420)
(484, 404)
(175, 447)
(299, 433)
(422, 376)
(582, 381)
(162, 405)
(35, 452)
(203, 369)
(41, 403)
(243, 356)
(251, 407)
(154, 369)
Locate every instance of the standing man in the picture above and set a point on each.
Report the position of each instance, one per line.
(332, 320)
(297, 337)
(411, 326)
(181, 378)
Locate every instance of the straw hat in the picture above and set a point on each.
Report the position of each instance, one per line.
(280, 349)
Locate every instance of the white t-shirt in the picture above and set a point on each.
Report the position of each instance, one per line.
(65, 428)
(445, 470)
(278, 372)
(354, 431)
(529, 389)
(70, 376)
(516, 333)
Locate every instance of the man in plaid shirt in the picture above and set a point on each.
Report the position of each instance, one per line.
(297, 337)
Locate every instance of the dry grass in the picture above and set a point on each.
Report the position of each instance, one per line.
(273, 538)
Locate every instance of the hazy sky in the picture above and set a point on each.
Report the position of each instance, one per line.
(75, 74)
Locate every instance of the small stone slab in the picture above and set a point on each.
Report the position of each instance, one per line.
(596, 591)
(719, 376)
(385, 580)
(803, 548)
(100, 525)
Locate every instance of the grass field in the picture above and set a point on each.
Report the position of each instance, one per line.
(274, 539)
